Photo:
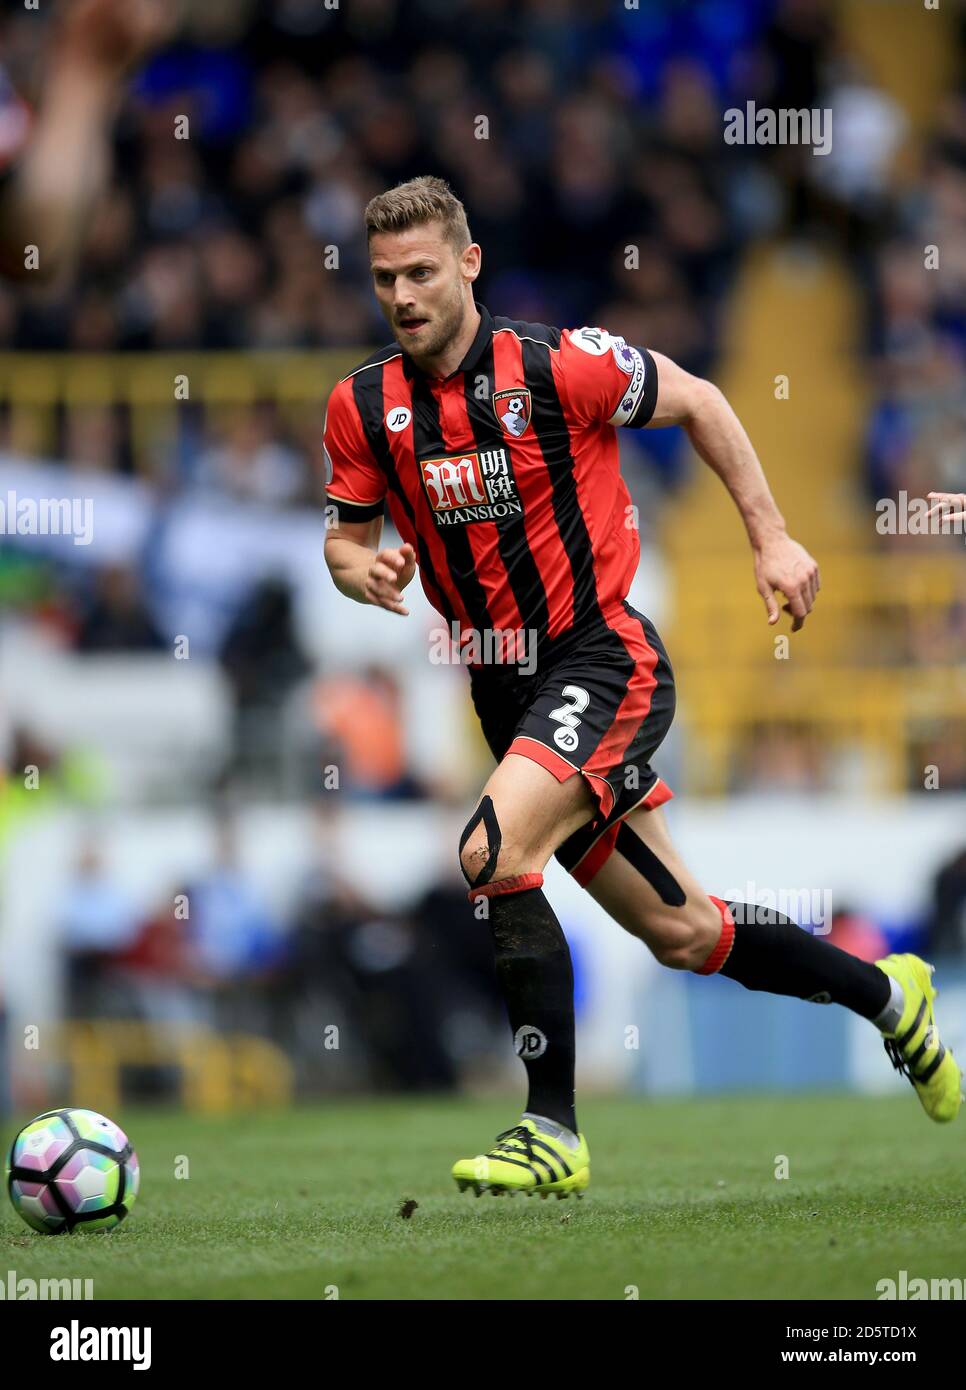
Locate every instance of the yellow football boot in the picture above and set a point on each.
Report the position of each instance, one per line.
(525, 1159)
(914, 1048)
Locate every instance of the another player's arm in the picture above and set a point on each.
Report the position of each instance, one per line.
(721, 441)
(51, 191)
(955, 501)
(363, 572)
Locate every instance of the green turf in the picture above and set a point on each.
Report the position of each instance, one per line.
(684, 1202)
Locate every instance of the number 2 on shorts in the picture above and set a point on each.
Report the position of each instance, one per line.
(566, 715)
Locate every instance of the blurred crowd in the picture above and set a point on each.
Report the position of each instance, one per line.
(586, 140)
(407, 995)
(916, 434)
(357, 995)
(571, 130)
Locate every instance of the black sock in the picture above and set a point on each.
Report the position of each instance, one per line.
(536, 977)
(771, 953)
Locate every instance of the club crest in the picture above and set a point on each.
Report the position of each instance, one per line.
(513, 410)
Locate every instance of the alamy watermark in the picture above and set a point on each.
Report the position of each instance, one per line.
(15, 1289)
(493, 646)
(77, 1343)
(763, 125)
(919, 1288)
(917, 516)
(47, 516)
(808, 907)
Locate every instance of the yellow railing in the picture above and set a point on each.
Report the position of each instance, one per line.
(876, 717)
(217, 1072)
(152, 388)
(866, 611)
(854, 675)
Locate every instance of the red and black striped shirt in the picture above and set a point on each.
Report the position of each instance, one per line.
(505, 476)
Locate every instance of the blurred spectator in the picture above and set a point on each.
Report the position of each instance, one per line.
(43, 779)
(97, 923)
(260, 655)
(161, 951)
(362, 715)
(246, 460)
(118, 619)
(780, 758)
(161, 983)
(263, 662)
(376, 971)
(474, 1014)
(232, 936)
(400, 1001)
(858, 934)
(947, 934)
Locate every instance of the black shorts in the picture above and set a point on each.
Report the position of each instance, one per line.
(599, 703)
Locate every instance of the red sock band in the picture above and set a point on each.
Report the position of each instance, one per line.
(519, 884)
(722, 951)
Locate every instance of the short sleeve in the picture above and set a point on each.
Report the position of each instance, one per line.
(354, 481)
(605, 380)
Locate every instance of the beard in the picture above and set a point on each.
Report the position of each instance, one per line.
(438, 335)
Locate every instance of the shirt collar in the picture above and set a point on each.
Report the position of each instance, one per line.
(473, 353)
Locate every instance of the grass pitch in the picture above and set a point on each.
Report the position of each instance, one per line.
(683, 1203)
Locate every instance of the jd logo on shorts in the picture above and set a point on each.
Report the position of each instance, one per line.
(529, 1043)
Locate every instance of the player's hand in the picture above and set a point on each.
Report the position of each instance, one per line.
(783, 564)
(388, 575)
(110, 36)
(941, 500)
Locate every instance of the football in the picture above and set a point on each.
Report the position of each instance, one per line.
(72, 1170)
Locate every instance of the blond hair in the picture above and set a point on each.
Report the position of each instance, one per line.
(421, 200)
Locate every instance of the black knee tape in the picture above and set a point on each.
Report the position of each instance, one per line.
(646, 862)
(485, 813)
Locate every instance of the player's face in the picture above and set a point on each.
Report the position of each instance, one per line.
(421, 284)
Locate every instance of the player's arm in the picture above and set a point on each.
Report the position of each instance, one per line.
(47, 198)
(362, 571)
(355, 494)
(720, 439)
